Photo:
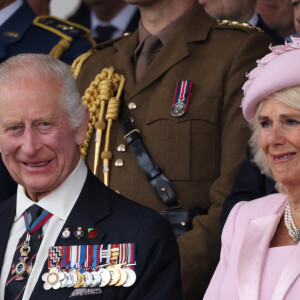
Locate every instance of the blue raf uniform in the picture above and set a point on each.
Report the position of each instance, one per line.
(24, 32)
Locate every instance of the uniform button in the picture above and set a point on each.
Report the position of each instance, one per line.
(131, 106)
(121, 148)
(119, 163)
(118, 192)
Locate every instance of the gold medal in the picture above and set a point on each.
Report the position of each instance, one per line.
(115, 275)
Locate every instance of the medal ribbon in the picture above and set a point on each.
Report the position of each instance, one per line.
(39, 222)
(131, 255)
(82, 257)
(183, 92)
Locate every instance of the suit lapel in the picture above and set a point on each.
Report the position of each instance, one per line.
(92, 206)
(7, 214)
(253, 253)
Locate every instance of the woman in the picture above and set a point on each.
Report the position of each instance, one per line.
(260, 256)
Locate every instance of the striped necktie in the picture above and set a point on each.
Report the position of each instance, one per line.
(25, 253)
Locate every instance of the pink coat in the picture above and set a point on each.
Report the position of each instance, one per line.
(245, 243)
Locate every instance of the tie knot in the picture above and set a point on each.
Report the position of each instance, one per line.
(151, 44)
(35, 212)
(104, 33)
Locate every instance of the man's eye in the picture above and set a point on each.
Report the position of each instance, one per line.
(292, 122)
(296, 3)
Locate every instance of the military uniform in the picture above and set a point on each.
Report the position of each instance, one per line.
(200, 152)
(23, 32)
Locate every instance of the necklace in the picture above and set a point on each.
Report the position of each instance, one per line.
(293, 231)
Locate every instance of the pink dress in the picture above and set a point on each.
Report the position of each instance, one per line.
(276, 259)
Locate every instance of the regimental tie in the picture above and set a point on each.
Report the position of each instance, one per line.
(25, 253)
(104, 33)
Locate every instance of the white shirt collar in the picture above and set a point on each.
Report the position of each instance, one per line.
(59, 202)
(120, 21)
(254, 20)
(6, 12)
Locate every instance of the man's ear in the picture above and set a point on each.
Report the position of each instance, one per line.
(80, 132)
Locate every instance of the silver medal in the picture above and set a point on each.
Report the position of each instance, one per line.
(88, 278)
(64, 283)
(131, 278)
(96, 279)
(105, 277)
(178, 109)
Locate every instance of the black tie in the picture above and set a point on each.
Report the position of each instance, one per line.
(22, 264)
(104, 33)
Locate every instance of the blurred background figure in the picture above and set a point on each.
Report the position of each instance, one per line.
(296, 5)
(274, 17)
(40, 8)
(107, 19)
(238, 10)
(278, 15)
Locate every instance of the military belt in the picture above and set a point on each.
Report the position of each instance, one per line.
(158, 180)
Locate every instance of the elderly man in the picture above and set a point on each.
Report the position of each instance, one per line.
(184, 73)
(77, 237)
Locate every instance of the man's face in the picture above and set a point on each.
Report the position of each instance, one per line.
(37, 144)
(278, 15)
(296, 5)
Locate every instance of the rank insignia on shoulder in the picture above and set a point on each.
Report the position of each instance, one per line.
(90, 266)
(238, 24)
(63, 28)
(182, 97)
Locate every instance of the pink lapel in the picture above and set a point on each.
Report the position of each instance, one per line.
(253, 252)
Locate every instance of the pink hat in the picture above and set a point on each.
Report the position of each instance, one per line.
(277, 70)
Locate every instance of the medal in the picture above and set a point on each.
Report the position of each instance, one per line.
(66, 234)
(80, 280)
(105, 276)
(181, 98)
(52, 279)
(131, 278)
(88, 279)
(79, 232)
(66, 280)
(123, 277)
(73, 278)
(96, 279)
(114, 274)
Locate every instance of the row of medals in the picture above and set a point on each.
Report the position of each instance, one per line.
(113, 275)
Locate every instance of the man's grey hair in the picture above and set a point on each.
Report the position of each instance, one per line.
(42, 67)
(289, 96)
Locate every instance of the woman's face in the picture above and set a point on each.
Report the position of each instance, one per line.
(280, 140)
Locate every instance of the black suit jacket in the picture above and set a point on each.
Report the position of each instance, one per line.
(117, 220)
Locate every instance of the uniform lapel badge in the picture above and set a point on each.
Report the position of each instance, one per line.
(79, 232)
(181, 99)
(92, 233)
(66, 234)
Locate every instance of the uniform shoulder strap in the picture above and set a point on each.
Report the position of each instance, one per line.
(68, 31)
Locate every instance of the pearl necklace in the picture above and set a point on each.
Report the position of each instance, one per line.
(290, 225)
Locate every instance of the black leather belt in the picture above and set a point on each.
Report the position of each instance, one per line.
(159, 182)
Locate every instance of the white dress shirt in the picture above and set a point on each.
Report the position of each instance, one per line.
(60, 203)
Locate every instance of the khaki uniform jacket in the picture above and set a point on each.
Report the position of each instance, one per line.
(200, 152)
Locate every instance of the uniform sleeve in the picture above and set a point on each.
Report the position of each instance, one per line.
(200, 248)
(158, 259)
(213, 291)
